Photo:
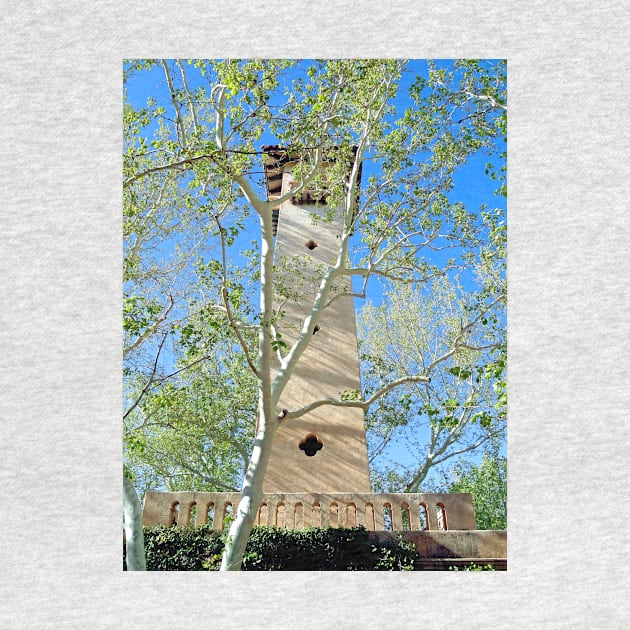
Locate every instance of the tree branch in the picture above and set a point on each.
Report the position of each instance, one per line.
(179, 120)
(148, 384)
(485, 97)
(191, 104)
(237, 331)
(326, 283)
(361, 404)
(319, 156)
(151, 329)
(226, 301)
(218, 104)
(207, 478)
(165, 167)
(457, 344)
(186, 367)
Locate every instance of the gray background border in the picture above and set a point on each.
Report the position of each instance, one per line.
(60, 316)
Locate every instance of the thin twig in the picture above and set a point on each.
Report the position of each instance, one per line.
(361, 404)
(226, 301)
(148, 384)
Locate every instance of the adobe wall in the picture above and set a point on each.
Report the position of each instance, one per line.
(415, 511)
(454, 544)
(460, 544)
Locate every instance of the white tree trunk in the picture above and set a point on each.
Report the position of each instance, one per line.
(251, 497)
(134, 533)
(252, 491)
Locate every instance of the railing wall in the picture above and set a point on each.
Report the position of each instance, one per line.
(376, 512)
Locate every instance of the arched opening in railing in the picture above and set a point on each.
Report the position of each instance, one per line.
(334, 515)
(441, 516)
(299, 516)
(388, 522)
(228, 513)
(405, 517)
(351, 515)
(174, 515)
(192, 514)
(281, 520)
(423, 516)
(317, 515)
(370, 525)
(263, 514)
(210, 514)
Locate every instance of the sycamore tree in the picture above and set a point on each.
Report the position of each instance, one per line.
(453, 330)
(487, 482)
(191, 427)
(189, 407)
(204, 365)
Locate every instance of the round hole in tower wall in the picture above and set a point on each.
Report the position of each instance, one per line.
(311, 444)
(310, 245)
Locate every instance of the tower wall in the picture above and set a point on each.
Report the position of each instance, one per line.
(328, 367)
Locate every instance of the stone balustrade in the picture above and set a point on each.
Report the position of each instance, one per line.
(376, 512)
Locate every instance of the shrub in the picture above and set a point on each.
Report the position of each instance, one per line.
(473, 567)
(181, 548)
(277, 549)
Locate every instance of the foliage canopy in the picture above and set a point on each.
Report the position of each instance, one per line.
(205, 358)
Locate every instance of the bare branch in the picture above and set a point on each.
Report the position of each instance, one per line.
(151, 329)
(191, 104)
(361, 404)
(165, 167)
(485, 97)
(157, 203)
(470, 447)
(458, 343)
(237, 331)
(366, 273)
(178, 109)
(218, 105)
(226, 301)
(186, 367)
(148, 384)
(274, 335)
(481, 113)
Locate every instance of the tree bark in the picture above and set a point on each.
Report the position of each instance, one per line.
(251, 497)
(134, 534)
(252, 492)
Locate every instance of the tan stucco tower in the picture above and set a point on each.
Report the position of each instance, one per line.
(325, 450)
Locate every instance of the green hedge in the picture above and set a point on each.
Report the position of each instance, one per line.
(277, 549)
